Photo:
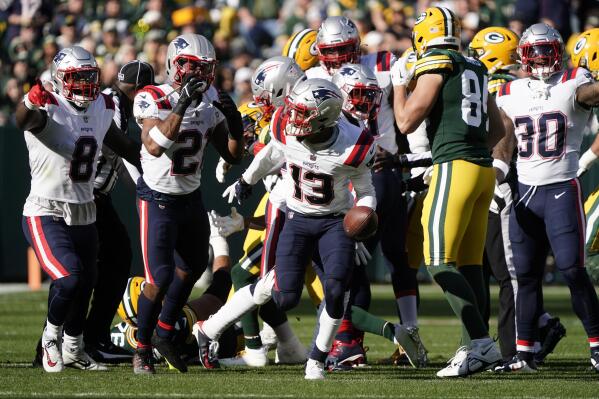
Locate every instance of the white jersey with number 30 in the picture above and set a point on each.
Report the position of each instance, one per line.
(549, 124)
(179, 169)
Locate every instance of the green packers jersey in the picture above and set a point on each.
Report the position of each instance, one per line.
(498, 79)
(457, 124)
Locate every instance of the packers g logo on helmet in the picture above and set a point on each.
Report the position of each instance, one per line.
(302, 48)
(496, 47)
(436, 26)
(494, 37)
(127, 310)
(585, 52)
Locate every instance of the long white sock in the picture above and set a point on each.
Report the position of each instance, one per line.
(52, 332)
(284, 332)
(71, 342)
(326, 331)
(240, 303)
(408, 310)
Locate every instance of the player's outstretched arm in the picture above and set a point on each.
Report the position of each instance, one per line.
(268, 159)
(588, 94)
(227, 137)
(411, 111)
(588, 158)
(29, 115)
(497, 129)
(123, 145)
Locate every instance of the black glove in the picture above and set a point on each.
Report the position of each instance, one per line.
(415, 184)
(190, 90)
(383, 159)
(227, 106)
(242, 190)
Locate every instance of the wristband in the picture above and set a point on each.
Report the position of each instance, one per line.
(587, 159)
(160, 139)
(28, 104)
(220, 247)
(502, 166)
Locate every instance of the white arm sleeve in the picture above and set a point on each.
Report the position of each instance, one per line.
(269, 158)
(132, 170)
(362, 182)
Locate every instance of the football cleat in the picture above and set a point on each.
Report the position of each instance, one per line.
(406, 342)
(208, 349)
(52, 360)
(291, 352)
(107, 352)
(518, 363)
(169, 352)
(422, 359)
(595, 359)
(143, 362)
(314, 370)
(345, 355)
(38, 360)
(480, 356)
(74, 355)
(247, 357)
(269, 337)
(550, 335)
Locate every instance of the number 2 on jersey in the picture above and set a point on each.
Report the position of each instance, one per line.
(192, 144)
(474, 100)
(324, 191)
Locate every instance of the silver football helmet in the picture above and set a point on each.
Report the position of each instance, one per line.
(313, 104)
(361, 91)
(190, 54)
(75, 75)
(273, 80)
(541, 49)
(338, 43)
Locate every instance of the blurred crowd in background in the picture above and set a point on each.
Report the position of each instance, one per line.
(244, 32)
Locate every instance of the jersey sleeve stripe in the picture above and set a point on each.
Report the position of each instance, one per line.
(277, 126)
(505, 89)
(569, 74)
(158, 95)
(383, 61)
(358, 154)
(495, 85)
(434, 67)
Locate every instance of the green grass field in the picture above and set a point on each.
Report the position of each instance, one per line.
(566, 374)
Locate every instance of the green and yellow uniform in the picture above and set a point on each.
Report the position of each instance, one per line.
(496, 80)
(455, 209)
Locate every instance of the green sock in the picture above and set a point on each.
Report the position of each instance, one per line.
(367, 322)
(462, 300)
(249, 321)
(474, 276)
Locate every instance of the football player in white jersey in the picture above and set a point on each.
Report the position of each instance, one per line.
(322, 153)
(338, 43)
(63, 132)
(178, 119)
(548, 112)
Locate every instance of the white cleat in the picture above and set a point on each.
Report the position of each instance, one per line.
(314, 370)
(248, 357)
(482, 355)
(73, 355)
(268, 337)
(52, 358)
(291, 352)
(407, 343)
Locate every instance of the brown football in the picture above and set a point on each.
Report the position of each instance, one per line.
(360, 222)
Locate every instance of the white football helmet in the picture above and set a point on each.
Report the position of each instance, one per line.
(361, 91)
(313, 104)
(338, 43)
(75, 75)
(273, 80)
(190, 54)
(541, 49)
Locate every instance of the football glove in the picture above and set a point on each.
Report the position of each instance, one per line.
(362, 256)
(239, 190)
(227, 225)
(37, 97)
(222, 167)
(191, 89)
(400, 73)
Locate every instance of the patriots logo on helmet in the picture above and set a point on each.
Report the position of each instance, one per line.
(260, 77)
(347, 71)
(180, 44)
(143, 104)
(59, 57)
(324, 94)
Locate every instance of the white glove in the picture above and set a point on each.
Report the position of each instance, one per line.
(270, 181)
(222, 167)
(586, 160)
(229, 193)
(401, 73)
(227, 225)
(219, 244)
(362, 256)
(428, 175)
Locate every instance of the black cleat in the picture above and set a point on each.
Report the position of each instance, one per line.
(521, 363)
(107, 352)
(169, 352)
(208, 349)
(143, 361)
(550, 336)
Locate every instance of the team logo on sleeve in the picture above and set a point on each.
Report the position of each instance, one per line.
(323, 94)
(180, 44)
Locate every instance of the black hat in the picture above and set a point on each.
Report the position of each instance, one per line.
(137, 73)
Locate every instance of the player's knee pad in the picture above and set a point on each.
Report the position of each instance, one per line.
(163, 276)
(286, 300)
(67, 287)
(334, 295)
(575, 276)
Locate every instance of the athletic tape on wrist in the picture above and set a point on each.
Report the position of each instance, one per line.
(160, 139)
(502, 166)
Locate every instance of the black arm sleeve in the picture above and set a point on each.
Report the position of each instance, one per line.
(123, 146)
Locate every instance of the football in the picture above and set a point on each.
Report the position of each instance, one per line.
(360, 222)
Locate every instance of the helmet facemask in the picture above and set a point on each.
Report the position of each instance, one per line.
(263, 100)
(80, 85)
(300, 119)
(541, 59)
(362, 101)
(334, 56)
(191, 65)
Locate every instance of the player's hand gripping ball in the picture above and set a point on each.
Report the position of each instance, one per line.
(360, 222)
